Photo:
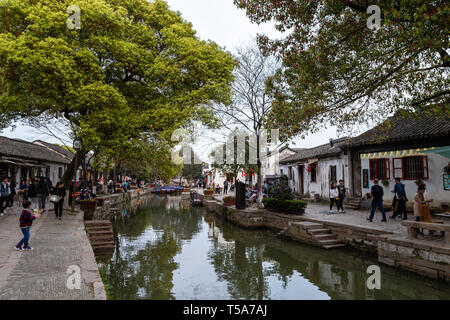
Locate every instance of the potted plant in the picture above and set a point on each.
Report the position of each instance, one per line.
(229, 201)
(208, 192)
(447, 168)
(385, 182)
(88, 204)
(418, 182)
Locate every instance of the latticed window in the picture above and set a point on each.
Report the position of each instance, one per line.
(379, 169)
(415, 167)
(333, 175)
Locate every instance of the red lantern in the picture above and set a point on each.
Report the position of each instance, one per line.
(309, 168)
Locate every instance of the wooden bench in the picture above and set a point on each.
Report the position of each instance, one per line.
(414, 227)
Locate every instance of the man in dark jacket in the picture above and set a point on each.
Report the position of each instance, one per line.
(377, 201)
(400, 200)
(12, 187)
(41, 193)
(5, 192)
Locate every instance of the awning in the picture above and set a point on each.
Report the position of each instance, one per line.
(405, 153)
(443, 151)
(312, 161)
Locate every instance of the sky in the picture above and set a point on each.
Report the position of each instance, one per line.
(222, 22)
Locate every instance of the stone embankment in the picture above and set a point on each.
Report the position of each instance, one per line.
(429, 258)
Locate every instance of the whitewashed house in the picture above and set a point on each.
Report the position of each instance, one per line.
(20, 159)
(311, 171)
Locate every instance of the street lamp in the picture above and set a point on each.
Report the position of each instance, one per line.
(77, 146)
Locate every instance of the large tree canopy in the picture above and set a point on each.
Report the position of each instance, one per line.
(336, 69)
(134, 67)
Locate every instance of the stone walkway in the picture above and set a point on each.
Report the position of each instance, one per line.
(320, 211)
(43, 272)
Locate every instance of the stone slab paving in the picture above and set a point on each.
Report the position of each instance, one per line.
(42, 272)
(319, 211)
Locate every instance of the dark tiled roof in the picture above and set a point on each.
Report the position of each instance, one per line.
(56, 147)
(321, 151)
(26, 150)
(398, 128)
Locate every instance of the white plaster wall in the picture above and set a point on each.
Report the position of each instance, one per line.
(434, 184)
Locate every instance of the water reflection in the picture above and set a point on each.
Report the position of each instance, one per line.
(166, 250)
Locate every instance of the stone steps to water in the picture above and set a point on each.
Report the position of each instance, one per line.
(334, 246)
(313, 232)
(101, 236)
(319, 231)
(326, 236)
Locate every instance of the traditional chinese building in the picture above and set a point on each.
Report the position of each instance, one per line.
(416, 150)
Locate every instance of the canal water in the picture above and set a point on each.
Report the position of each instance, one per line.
(165, 249)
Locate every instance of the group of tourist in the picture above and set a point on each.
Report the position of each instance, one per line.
(399, 202)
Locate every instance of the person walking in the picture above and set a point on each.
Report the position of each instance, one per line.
(26, 221)
(31, 192)
(377, 201)
(400, 200)
(49, 183)
(61, 193)
(41, 194)
(12, 195)
(5, 192)
(341, 189)
(225, 187)
(334, 197)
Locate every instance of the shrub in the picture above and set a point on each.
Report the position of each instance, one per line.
(285, 206)
(294, 206)
(282, 191)
(270, 203)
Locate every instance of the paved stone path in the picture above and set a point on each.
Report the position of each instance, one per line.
(42, 272)
(320, 211)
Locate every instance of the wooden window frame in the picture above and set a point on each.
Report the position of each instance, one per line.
(387, 170)
(314, 165)
(425, 175)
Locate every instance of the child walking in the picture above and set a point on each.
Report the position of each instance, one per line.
(26, 220)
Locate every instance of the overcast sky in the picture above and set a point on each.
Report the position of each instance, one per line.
(224, 23)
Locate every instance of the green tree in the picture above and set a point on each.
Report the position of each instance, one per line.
(134, 68)
(337, 70)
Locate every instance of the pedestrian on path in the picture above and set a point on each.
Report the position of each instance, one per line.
(5, 192)
(377, 201)
(341, 189)
(41, 193)
(12, 195)
(225, 187)
(334, 197)
(31, 192)
(26, 221)
(61, 193)
(400, 200)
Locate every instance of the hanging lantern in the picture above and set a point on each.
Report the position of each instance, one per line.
(309, 168)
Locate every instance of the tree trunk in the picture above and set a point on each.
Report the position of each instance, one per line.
(69, 173)
(259, 174)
